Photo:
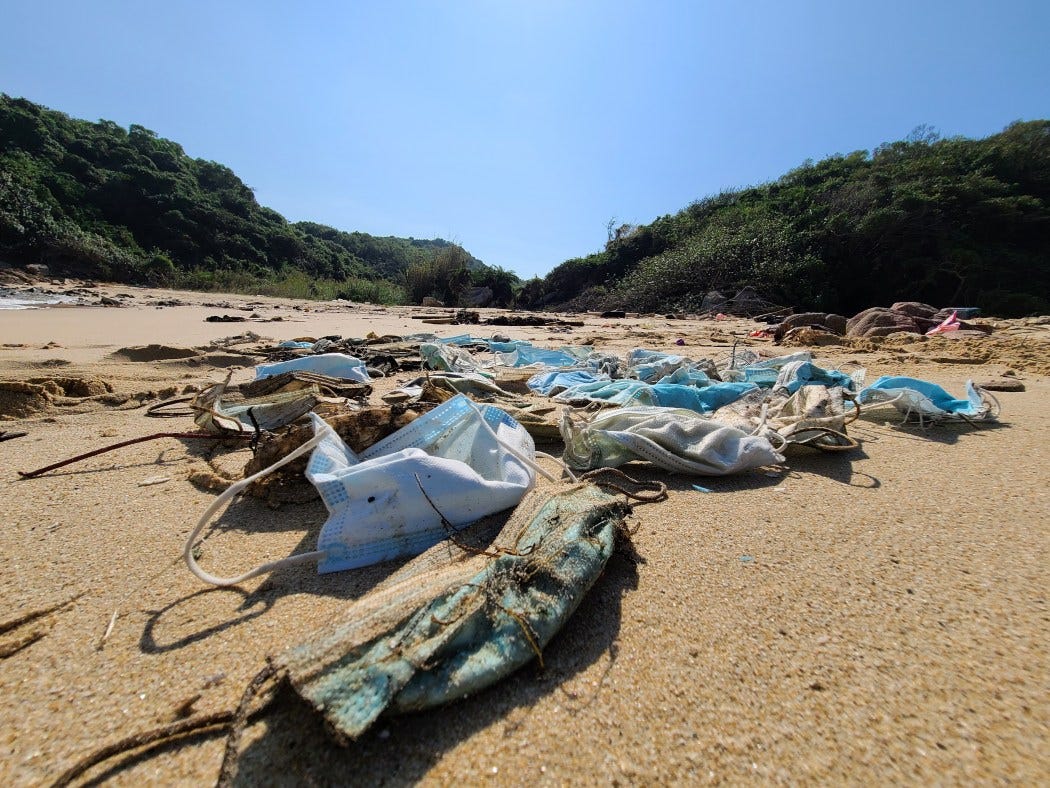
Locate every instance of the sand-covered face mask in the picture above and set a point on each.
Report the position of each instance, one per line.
(454, 465)
(268, 412)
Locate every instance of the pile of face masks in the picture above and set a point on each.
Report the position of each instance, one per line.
(456, 619)
(461, 462)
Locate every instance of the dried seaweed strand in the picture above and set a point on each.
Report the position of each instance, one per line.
(201, 724)
(240, 718)
(161, 410)
(191, 726)
(657, 489)
(121, 445)
(526, 630)
(450, 531)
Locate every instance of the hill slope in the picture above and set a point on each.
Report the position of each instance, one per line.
(950, 222)
(94, 199)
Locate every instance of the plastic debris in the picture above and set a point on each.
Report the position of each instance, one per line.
(950, 323)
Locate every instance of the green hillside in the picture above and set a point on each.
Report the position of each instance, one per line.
(946, 221)
(97, 200)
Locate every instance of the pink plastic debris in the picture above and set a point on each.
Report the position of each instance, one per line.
(951, 323)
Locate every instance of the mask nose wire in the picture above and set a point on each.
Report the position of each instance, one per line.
(527, 460)
(231, 492)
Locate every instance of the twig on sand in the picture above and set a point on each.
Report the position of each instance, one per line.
(122, 444)
(108, 632)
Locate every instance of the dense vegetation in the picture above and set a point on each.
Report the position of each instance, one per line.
(96, 200)
(946, 221)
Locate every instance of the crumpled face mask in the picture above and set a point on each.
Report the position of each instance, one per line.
(674, 439)
(448, 624)
(688, 375)
(926, 400)
(528, 356)
(336, 365)
(796, 374)
(454, 465)
(747, 367)
(449, 358)
(651, 365)
(668, 395)
(813, 416)
(474, 383)
(267, 412)
(553, 382)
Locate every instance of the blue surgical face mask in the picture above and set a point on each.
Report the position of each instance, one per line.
(336, 365)
(451, 466)
(927, 400)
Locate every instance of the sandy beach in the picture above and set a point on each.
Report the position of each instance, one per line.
(872, 616)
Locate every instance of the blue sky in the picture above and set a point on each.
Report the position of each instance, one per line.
(519, 129)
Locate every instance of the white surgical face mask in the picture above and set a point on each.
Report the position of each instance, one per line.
(470, 462)
(677, 440)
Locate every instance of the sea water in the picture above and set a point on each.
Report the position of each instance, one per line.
(27, 299)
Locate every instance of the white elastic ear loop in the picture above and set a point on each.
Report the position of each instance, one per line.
(776, 440)
(866, 406)
(230, 492)
(528, 461)
(565, 468)
(995, 408)
(762, 419)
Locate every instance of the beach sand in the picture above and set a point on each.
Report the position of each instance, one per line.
(873, 616)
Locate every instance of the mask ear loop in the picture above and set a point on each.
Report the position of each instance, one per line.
(776, 440)
(527, 460)
(565, 468)
(231, 492)
(991, 405)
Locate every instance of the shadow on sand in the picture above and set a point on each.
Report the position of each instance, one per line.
(402, 749)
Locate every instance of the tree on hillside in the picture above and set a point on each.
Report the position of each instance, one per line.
(444, 277)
